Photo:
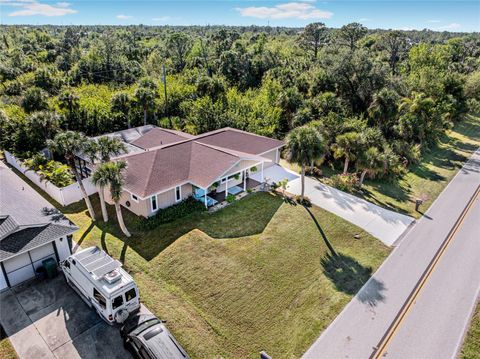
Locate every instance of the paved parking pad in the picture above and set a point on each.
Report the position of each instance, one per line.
(48, 319)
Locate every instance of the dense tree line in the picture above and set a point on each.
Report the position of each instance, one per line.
(378, 98)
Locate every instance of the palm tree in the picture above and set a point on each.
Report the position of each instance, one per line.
(304, 145)
(111, 174)
(103, 148)
(68, 143)
(46, 121)
(346, 146)
(370, 161)
(121, 103)
(418, 117)
(145, 96)
(69, 101)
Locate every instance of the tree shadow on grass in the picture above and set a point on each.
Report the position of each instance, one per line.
(322, 233)
(349, 276)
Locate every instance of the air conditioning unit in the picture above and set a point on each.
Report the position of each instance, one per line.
(113, 276)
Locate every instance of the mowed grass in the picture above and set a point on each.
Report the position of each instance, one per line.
(253, 276)
(471, 345)
(426, 179)
(6, 348)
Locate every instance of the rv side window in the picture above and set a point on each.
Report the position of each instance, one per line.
(100, 299)
(130, 294)
(117, 302)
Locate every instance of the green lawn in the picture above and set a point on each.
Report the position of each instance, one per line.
(6, 348)
(254, 276)
(426, 179)
(471, 346)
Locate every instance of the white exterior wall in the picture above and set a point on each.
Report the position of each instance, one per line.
(3, 282)
(64, 196)
(273, 156)
(62, 248)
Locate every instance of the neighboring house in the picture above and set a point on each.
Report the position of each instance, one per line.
(31, 230)
(166, 166)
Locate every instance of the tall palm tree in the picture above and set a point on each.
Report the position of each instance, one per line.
(121, 103)
(111, 174)
(346, 146)
(370, 161)
(304, 145)
(102, 149)
(68, 143)
(69, 101)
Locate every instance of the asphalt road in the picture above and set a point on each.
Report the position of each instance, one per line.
(438, 318)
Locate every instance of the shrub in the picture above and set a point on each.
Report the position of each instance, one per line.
(249, 190)
(343, 182)
(306, 201)
(230, 198)
(33, 163)
(313, 171)
(169, 214)
(55, 172)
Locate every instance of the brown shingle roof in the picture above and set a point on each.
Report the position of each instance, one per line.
(160, 137)
(173, 158)
(154, 171)
(239, 141)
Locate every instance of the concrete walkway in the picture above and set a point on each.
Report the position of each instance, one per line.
(382, 223)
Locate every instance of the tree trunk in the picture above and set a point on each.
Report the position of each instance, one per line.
(71, 161)
(128, 120)
(362, 177)
(345, 166)
(120, 220)
(145, 116)
(101, 194)
(303, 182)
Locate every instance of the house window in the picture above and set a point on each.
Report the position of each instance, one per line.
(153, 199)
(223, 180)
(178, 193)
(135, 198)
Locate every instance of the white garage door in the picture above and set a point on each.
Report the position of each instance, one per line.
(21, 268)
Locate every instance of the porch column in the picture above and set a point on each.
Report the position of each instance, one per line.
(226, 187)
(244, 180)
(263, 179)
(205, 197)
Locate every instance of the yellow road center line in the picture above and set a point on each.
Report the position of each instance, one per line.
(407, 306)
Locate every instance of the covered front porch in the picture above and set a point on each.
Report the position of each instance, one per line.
(233, 183)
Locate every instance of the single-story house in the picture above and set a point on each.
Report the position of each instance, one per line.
(31, 230)
(165, 166)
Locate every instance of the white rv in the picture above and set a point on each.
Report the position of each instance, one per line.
(102, 283)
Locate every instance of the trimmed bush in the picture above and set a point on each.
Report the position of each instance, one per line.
(170, 214)
(344, 183)
(305, 202)
(230, 198)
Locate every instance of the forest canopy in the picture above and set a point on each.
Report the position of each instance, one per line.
(394, 91)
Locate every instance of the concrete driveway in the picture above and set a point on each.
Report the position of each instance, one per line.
(48, 319)
(382, 223)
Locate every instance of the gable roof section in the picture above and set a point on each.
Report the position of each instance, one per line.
(160, 137)
(239, 141)
(155, 171)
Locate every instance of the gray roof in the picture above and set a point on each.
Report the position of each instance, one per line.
(27, 219)
(30, 238)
